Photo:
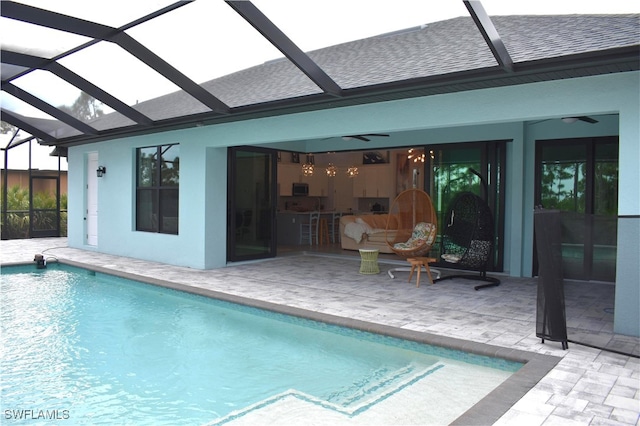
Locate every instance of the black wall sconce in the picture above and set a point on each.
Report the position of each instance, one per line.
(101, 171)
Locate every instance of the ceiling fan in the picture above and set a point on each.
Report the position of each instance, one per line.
(570, 119)
(365, 137)
(584, 118)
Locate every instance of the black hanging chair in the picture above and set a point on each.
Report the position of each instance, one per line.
(468, 237)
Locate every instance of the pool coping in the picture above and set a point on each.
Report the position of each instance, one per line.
(486, 411)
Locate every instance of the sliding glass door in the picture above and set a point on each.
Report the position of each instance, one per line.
(251, 224)
(580, 177)
(476, 167)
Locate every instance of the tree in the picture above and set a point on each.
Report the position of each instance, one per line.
(84, 108)
(6, 127)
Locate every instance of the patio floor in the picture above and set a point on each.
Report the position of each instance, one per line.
(597, 380)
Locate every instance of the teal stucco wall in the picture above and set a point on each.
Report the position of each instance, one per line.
(506, 113)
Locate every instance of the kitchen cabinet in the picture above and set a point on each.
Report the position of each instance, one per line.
(287, 175)
(318, 183)
(373, 181)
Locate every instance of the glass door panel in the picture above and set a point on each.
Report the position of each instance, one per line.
(450, 176)
(456, 168)
(580, 178)
(563, 184)
(563, 174)
(252, 201)
(605, 208)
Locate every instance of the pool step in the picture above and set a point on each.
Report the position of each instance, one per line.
(378, 382)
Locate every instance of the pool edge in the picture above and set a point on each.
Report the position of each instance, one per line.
(485, 412)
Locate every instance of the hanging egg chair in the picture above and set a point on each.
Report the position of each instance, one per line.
(412, 226)
(468, 237)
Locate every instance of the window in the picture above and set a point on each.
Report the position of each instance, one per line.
(157, 188)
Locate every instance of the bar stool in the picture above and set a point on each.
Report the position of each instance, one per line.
(335, 227)
(309, 228)
(323, 232)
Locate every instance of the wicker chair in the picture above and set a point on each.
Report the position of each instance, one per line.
(412, 226)
(415, 222)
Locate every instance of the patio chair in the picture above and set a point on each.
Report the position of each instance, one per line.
(412, 226)
(467, 238)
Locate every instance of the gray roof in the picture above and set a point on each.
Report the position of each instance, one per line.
(435, 50)
(441, 57)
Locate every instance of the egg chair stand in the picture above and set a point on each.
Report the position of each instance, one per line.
(467, 238)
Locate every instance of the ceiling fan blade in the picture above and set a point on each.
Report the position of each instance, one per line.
(588, 119)
(363, 137)
(359, 137)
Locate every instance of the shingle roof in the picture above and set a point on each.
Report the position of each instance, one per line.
(445, 52)
(436, 49)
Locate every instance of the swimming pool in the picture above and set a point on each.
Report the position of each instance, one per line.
(100, 349)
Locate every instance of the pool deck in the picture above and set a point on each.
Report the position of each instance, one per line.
(595, 382)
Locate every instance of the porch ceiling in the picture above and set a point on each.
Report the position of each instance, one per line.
(473, 55)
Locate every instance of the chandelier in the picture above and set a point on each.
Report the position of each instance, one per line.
(331, 170)
(415, 156)
(352, 171)
(307, 167)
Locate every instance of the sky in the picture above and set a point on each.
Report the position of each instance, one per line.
(224, 42)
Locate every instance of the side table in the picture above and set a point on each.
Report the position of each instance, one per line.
(369, 261)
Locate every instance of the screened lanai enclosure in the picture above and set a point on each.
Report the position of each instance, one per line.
(163, 80)
(70, 49)
(33, 189)
(195, 119)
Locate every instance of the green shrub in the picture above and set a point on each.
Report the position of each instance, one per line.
(17, 218)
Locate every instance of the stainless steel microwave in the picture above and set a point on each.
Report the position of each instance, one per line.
(300, 189)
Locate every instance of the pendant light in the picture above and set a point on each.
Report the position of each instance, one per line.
(307, 167)
(331, 170)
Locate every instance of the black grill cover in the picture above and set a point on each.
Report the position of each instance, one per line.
(551, 320)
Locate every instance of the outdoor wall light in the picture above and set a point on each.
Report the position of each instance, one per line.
(101, 171)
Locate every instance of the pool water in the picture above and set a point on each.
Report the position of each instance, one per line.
(100, 350)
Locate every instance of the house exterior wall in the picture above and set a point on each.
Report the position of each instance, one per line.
(202, 187)
(506, 113)
(627, 306)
